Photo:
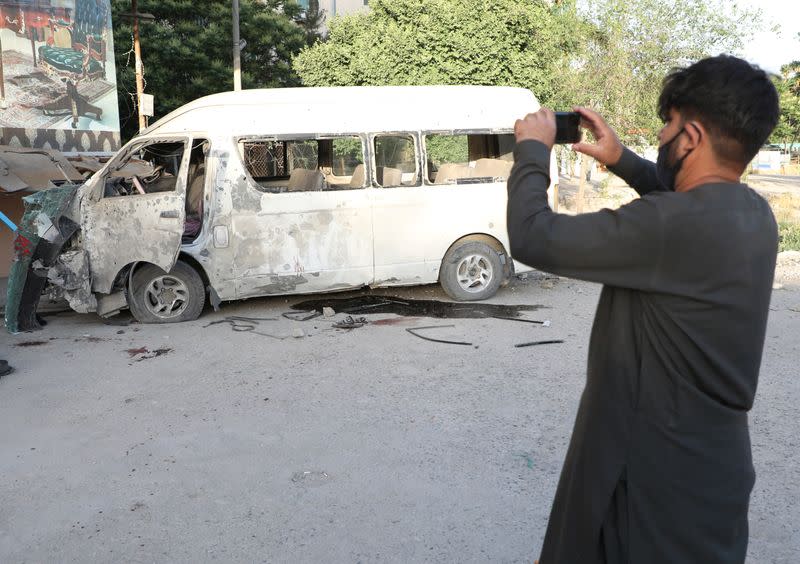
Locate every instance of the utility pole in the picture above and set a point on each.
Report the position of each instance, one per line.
(137, 52)
(237, 50)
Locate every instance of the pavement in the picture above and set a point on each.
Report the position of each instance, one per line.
(197, 443)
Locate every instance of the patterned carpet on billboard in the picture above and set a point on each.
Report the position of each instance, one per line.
(28, 88)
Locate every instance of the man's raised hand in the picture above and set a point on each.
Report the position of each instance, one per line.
(539, 126)
(607, 148)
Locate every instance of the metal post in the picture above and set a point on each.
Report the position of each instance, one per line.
(237, 61)
(582, 182)
(3, 105)
(137, 51)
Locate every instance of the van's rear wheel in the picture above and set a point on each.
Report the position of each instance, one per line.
(471, 270)
(155, 296)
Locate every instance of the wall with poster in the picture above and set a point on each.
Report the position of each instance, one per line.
(57, 76)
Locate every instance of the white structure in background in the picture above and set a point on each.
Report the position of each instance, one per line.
(338, 8)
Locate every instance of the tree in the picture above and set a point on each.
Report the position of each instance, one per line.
(485, 42)
(787, 132)
(631, 45)
(311, 19)
(187, 51)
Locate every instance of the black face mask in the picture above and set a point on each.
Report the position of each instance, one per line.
(666, 171)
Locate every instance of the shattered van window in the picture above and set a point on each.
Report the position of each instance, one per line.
(468, 158)
(148, 169)
(304, 165)
(395, 161)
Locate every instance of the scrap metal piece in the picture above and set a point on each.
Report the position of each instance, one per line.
(414, 332)
(110, 304)
(241, 324)
(351, 323)
(34, 169)
(533, 343)
(545, 323)
(70, 279)
(301, 315)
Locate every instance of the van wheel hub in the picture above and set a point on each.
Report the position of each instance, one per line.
(475, 273)
(166, 296)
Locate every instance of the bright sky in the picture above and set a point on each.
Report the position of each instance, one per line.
(770, 50)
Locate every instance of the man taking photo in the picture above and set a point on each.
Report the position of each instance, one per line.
(659, 467)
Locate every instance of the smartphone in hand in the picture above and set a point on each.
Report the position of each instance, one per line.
(568, 127)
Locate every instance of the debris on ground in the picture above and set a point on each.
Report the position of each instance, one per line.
(241, 324)
(301, 315)
(415, 308)
(146, 354)
(545, 323)
(328, 312)
(89, 339)
(31, 344)
(351, 323)
(310, 478)
(534, 343)
(415, 330)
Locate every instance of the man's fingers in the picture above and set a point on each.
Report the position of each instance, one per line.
(591, 120)
(580, 147)
(588, 114)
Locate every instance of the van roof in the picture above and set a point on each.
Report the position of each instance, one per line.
(350, 109)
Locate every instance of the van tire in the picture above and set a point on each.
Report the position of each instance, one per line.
(471, 270)
(155, 296)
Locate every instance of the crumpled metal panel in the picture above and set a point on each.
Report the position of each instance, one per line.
(34, 169)
(40, 237)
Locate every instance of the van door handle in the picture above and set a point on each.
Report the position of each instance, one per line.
(170, 214)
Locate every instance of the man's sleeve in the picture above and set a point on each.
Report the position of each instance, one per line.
(638, 173)
(621, 248)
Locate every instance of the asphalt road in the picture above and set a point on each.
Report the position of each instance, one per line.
(196, 443)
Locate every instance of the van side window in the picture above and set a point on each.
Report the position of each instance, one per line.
(147, 169)
(304, 165)
(469, 158)
(395, 161)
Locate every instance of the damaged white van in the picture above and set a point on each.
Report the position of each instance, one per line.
(284, 191)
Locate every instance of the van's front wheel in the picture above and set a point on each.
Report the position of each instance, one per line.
(471, 270)
(155, 296)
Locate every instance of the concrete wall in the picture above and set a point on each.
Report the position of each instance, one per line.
(11, 205)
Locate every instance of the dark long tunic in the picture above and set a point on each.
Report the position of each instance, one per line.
(659, 467)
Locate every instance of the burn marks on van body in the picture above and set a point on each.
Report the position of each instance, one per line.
(284, 250)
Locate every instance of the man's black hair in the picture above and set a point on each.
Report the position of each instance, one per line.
(735, 101)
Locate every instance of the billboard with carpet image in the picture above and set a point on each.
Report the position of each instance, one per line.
(57, 76)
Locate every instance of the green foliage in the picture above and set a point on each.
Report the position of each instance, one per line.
(311, 20)
(187, 50)
(491, 42)
(447, 149)
(611, 55)
(787, 131)
(788, 236)
(632, 44)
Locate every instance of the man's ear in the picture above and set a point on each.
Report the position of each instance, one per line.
(695, 134)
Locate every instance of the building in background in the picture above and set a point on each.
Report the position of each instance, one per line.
(337, 7)
(58, 92)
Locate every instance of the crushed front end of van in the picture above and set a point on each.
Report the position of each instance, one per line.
(47, 255)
